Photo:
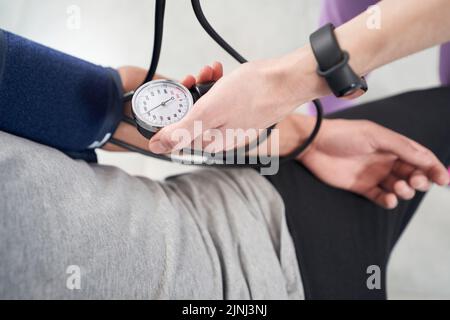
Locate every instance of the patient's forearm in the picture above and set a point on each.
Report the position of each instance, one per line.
(129, 134)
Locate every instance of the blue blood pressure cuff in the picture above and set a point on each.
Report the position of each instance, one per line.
(55, 99)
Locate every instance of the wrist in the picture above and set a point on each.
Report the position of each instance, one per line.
(294, 130)
(363, 54)
(297, 72)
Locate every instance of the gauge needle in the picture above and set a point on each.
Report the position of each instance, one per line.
(161, 104)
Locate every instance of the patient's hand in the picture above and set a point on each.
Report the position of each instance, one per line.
(375, 162)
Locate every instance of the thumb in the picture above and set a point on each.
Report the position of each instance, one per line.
(179, 135)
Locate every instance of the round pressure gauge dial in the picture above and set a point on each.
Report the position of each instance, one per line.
(159, 103)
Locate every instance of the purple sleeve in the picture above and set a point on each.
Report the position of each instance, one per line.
(444, 67)
(340, 11)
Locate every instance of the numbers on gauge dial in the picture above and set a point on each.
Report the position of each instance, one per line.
(161, 104)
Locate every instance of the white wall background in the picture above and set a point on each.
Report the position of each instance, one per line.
(120, 32)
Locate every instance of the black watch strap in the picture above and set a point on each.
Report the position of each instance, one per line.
(333, 63)
(326, 48)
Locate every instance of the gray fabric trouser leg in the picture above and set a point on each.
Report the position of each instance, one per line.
(211, 234)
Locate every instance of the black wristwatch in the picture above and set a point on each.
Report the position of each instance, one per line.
(333, 64)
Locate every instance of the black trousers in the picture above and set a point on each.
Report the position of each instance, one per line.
(337, 234)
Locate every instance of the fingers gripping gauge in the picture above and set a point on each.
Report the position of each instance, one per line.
(160, 103)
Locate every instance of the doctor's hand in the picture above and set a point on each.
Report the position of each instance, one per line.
(254, 96)
(370, 160)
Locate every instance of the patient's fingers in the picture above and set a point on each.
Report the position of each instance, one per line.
(217, 71)
(436, 172)
(398, 186)
(205, 75)
(439, 174)
(419, 181)
(387, 200)
(188, 81)
(406, 149)
(416, 178)
(413, 153)
(402, 169)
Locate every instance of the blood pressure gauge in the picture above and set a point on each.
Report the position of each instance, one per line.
(160, 103)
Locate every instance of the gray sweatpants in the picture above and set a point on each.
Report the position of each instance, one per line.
(73, 230)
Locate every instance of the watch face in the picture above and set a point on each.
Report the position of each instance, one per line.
(159, 103)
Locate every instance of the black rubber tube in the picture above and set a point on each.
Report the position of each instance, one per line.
(160, 8)
(222, 43)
